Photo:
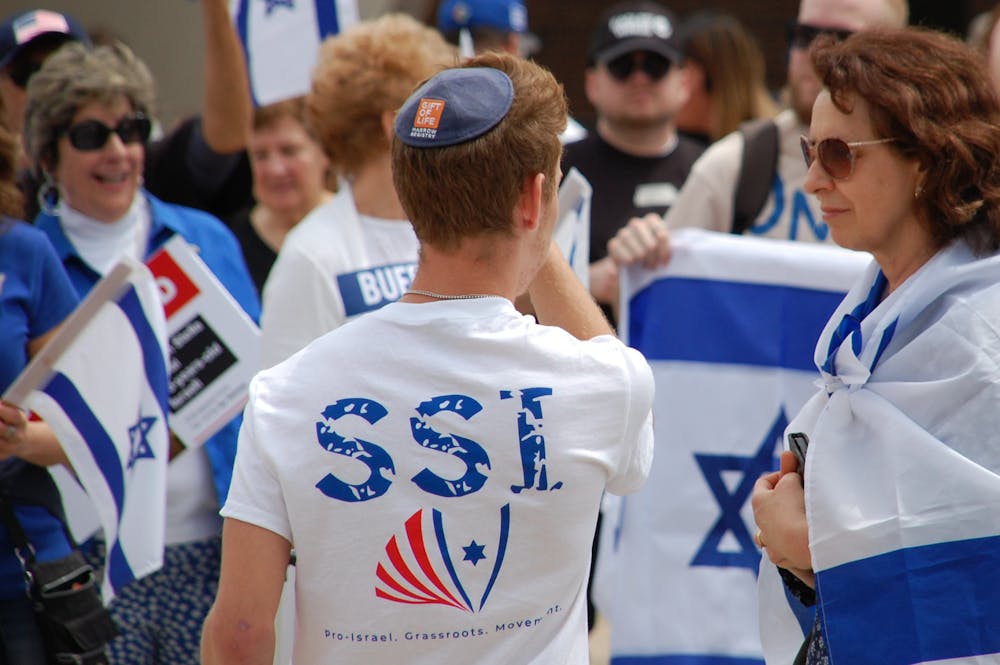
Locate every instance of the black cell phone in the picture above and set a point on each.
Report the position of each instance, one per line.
(798, 443)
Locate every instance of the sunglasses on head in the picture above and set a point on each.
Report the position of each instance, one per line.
(802, 35)
(93, 134)
(655, 65)
(836, 156)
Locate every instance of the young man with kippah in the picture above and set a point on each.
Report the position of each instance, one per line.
(438, 464)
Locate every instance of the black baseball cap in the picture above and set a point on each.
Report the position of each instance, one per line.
(20, 30)
(635, 26)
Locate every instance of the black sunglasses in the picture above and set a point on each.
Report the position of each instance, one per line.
(655, 65)
(93, 134)
(802, 35)
(836, 156)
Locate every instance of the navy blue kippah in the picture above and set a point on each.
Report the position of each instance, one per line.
(455, 106)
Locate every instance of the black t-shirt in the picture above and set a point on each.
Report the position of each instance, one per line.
(181, 168)
(627, 186)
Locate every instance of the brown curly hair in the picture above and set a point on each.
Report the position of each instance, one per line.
(11, 202)
(362, 72)
(930, 92)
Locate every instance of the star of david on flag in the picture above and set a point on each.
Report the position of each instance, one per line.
(729, 328)
(281, 40)
(101, 385)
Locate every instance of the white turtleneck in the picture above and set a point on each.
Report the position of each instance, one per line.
(102, 244)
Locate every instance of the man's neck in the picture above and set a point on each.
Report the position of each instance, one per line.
(480, 265)
(649, 141)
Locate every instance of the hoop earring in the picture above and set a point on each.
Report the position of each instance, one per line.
(47, 195)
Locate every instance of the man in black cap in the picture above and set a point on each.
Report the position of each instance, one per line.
(26, 39)
(635, 160)
(438, 464)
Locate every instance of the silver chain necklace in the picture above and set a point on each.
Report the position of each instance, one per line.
(444, 296)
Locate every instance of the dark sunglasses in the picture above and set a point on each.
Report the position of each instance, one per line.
(802, 35)
(93, 134)
(836, 156)
(655, 65)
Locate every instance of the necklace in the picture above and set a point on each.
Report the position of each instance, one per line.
(444, 296)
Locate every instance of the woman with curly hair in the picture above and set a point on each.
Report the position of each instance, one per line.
(888, 521)
(357, 251)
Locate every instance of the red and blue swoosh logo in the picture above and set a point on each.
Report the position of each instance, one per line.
(418, 568)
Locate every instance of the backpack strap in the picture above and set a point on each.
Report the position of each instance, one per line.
(760, 160)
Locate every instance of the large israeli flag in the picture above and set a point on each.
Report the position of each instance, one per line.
(901, 484)
(729, 328)
(101, 385)
(281, 39)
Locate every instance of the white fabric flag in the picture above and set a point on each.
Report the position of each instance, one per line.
(281, 39)
(101, 385)
(728, 327)
(903, 511)
(572, 232)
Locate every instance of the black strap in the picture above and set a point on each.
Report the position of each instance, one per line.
(25, 552)
(757, 168)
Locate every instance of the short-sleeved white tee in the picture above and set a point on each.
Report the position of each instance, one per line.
(438, 469)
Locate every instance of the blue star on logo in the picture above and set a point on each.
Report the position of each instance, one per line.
(473, 553)
(139, 443)
(274, 4)
(730, 503)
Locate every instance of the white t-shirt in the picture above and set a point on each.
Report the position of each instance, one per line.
(438, 469)
(333, 266)
(706, 200)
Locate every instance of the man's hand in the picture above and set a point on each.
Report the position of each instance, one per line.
(643, 240)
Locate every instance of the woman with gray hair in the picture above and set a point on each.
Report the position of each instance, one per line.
(86, 126)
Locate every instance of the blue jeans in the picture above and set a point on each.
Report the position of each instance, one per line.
(20, 640)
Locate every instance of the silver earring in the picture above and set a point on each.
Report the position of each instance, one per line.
(48, 195)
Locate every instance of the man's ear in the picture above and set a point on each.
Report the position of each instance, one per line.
(529, 208)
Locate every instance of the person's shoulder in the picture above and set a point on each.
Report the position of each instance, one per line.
(20, 232)
(582, 151)
(322, 222)
(185, 217)
(689, 147)
(725, 155)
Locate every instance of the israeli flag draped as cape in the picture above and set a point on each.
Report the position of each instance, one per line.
(729, 328)
(902, 491)
(281, 39)
(101, 385)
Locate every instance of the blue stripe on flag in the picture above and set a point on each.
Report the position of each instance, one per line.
(326, 18)
(736, 329)
(685, 659)
(242, 20)
(119, 569)
(102, 447)
(911, 605)
(152, 354)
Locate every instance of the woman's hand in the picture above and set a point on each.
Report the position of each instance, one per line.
(33, 442)
(779, 509)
